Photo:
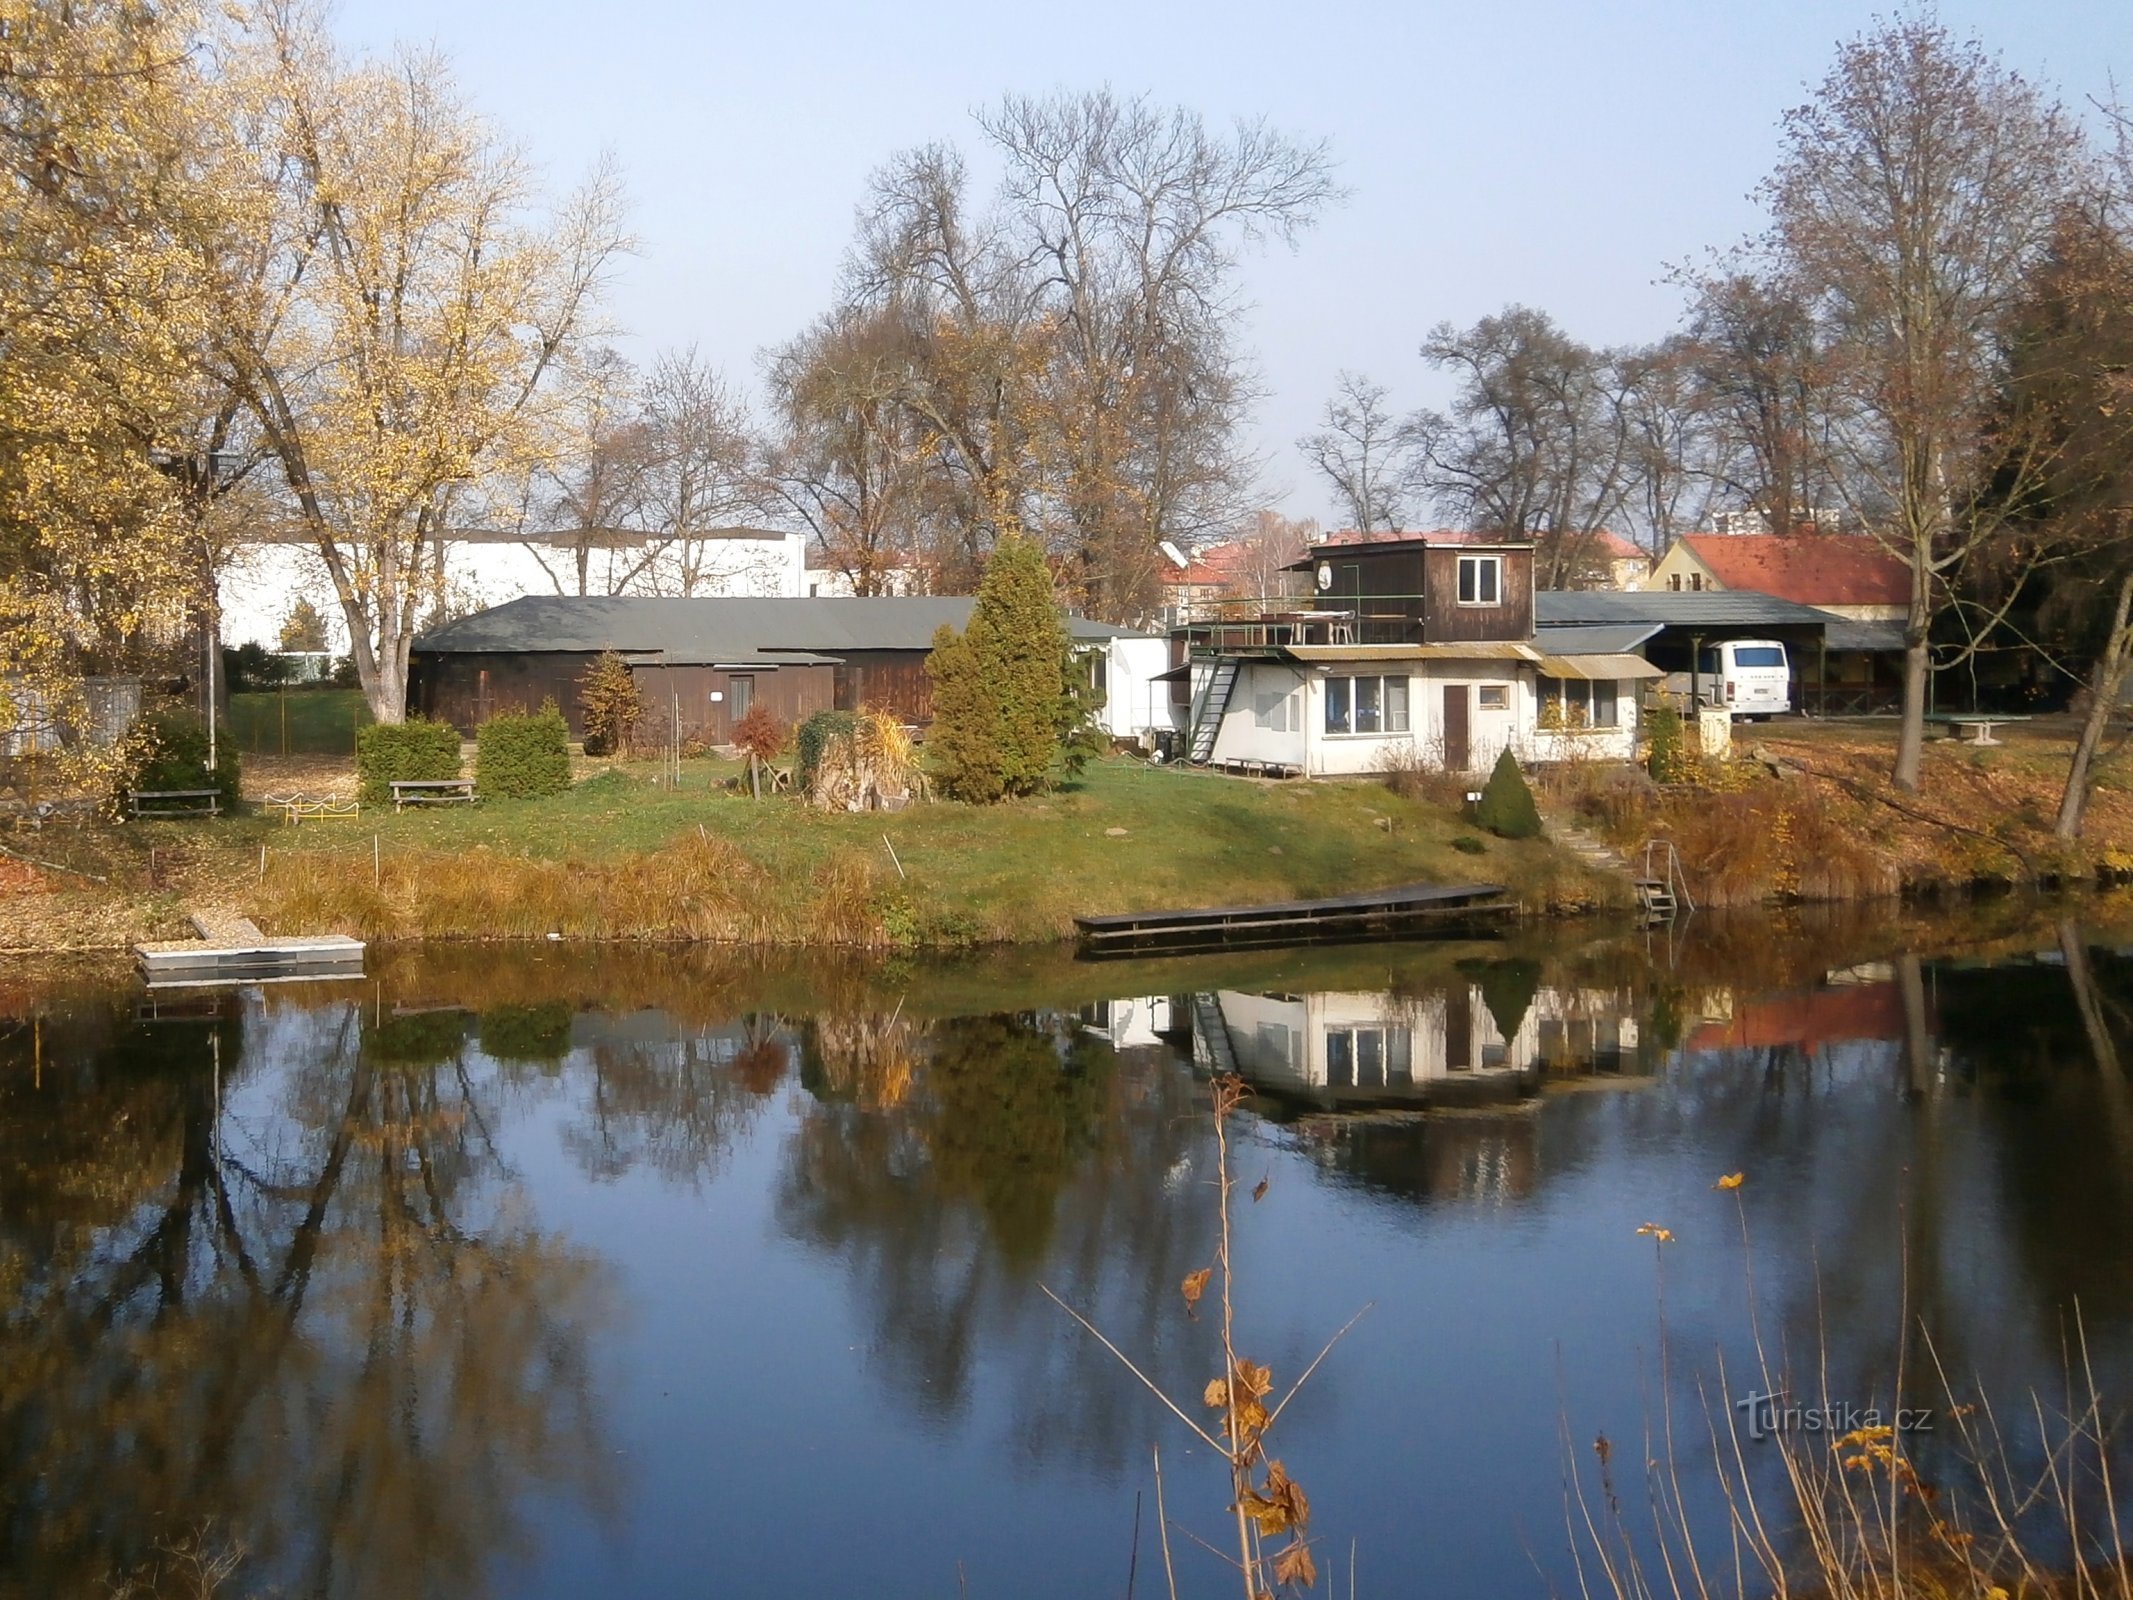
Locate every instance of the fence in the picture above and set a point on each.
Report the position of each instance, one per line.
(297, 722)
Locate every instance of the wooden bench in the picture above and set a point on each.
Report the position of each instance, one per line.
(174, 802)
(1973, 727)
(432, 792)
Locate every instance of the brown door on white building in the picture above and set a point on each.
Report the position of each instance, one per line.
(1458, 740)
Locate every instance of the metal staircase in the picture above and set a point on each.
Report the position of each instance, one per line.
(1662, 889)
(1207, 719)
(1208, 1023)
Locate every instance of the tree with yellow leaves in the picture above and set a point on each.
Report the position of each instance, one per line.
(97, 332)
(388, 306)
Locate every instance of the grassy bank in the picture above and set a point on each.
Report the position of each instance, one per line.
(1805, 812)
(622, 858)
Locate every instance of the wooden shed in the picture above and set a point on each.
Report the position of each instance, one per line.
(700, 664)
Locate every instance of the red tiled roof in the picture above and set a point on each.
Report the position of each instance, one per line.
(1814, 569)
(1819, 1017)
(1211, 567)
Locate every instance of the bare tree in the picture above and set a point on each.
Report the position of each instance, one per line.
(1755, 353)
(1062, 357)
(1537, 441)
(1267, 545)
(847, 458)
(699, 476)
(589, 495)
(1364, 452)
(1917, 190)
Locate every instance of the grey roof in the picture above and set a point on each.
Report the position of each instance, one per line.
(1668, 608)
(1845, 634)
(1592, 638)
(714, 630)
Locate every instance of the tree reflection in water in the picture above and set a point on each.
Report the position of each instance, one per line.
(953, 1164)
(312, 1322)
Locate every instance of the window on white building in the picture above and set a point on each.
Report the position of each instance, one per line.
(1580, 703)
(1274, 712)
(1493, 696)
(1480, 580)
(1366, 705)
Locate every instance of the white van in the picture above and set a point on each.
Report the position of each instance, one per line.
(1749, 677)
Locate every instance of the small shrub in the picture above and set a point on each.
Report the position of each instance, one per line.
(610, 705)
(522, 757)
(760, 734)
(1467, 845)
(1507, 809)
(815, 735)
(1666, 758)
(415, 751)
(170, 752)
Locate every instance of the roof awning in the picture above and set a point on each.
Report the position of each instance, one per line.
(1598, 667)
(1177, 674)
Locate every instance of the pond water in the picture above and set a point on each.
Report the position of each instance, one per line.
(554, 1272)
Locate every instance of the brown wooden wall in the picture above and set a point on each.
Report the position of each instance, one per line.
(893, 680)
(1382, 587)
(1446, 621)
(466, 690)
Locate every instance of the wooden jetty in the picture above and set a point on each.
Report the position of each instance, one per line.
(231, 949)
(1419, 908)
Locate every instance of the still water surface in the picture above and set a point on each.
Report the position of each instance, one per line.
(555, 1273)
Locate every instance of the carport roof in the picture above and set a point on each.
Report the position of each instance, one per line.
(1668, 608)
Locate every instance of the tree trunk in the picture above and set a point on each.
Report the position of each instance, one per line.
(2105, 685)
(1911, 738)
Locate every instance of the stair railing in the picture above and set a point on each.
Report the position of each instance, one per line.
(1676, 880)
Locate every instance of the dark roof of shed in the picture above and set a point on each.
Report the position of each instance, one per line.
(1592, 638)
(1667, 608)
(713, 629)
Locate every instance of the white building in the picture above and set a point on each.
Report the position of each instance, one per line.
(484, 567)
(1351, 710)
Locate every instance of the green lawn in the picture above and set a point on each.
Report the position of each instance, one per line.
(1126, 837)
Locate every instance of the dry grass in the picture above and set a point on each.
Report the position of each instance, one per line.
(700, 888)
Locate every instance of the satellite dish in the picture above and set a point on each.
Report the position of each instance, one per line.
(1325, 574)
(1171, 553)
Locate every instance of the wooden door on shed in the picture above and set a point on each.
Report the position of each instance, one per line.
(1458, 741)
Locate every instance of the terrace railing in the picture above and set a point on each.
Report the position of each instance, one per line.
(1272, 622)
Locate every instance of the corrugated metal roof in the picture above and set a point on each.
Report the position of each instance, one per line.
(1479, 650)
(1593, 638)
(1845, 634)
(1709, 608)
(715, 629)
(1598, 667)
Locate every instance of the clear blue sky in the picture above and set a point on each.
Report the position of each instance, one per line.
(1542, 151)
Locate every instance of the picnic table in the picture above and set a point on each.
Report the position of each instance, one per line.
(174, 802)
(432, 792)
(1975, 727)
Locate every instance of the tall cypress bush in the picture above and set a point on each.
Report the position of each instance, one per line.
(1000, 697)
(1507, 809)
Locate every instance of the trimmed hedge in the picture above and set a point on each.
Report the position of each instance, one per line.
(522, 757)
(171, 753)
(414, 751)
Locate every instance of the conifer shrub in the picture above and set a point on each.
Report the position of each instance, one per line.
(1507, 809)
(1665, 757)
(610, 706)
(1002, 702)
(523, 756)
(964, 743)
(170, 752)
(404, 752)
